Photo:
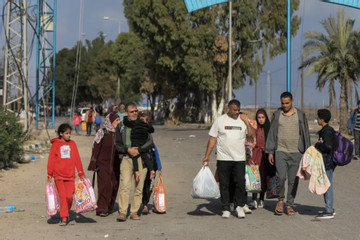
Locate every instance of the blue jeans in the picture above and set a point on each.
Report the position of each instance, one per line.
(329, 195)
(77, 129)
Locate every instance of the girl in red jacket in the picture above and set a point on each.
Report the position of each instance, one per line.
(63, 158)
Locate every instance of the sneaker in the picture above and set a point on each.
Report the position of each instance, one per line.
(226, 214)
(253, 205)
(321, 212)
(355, 158)
(232, 207)
(246, 208)
(261, 204)
(325, 215)
(240, 212)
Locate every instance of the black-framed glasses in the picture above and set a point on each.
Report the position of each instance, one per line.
(134, 111)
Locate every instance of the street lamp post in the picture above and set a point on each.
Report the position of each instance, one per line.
(106, 18)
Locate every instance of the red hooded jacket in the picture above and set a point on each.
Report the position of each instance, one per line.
(63, 158)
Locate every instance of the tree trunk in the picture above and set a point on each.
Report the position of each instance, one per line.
(343, 106)
(213, 106)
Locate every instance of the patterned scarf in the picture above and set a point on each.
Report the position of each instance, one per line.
(100, 133)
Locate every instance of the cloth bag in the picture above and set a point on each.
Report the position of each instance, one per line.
(159, 196)
(84, 197)
(271, 191)
(204, 185)
(252, 178)
(52, 199)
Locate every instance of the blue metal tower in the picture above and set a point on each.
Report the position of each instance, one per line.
(45, 63)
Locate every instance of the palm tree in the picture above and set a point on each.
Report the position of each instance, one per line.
(332, 57)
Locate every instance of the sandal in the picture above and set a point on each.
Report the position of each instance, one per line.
(63, 222)
(290, 211)
(279, 208)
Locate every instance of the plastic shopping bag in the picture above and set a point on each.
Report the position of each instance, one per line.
(271, 191)
(52, 199)
(252, 178)
(204, 185)
(84, 197)
(159, 197)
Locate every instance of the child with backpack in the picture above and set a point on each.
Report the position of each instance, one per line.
(63, 159)
(325, 145)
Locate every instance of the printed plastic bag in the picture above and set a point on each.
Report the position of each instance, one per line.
(84, 197)
(252, 178)
(159, 197)
(204, 185)
(271, 191)
(52, 199)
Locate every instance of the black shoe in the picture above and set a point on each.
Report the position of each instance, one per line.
(325, 216)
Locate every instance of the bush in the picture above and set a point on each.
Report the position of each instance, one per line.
(11, 139)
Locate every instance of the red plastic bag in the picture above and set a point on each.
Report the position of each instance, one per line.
(159, 197)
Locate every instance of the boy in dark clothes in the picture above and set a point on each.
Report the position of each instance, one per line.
(140, 130)
(325, 146)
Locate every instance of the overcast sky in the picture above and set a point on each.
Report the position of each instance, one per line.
(312, 13)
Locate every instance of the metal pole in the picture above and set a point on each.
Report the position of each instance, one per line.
(37, 63)
(25, 73)
(54, 65)
(7, 49)
(230, 52)
(288, 65)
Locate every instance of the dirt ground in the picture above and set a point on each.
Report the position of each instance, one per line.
(181, 151)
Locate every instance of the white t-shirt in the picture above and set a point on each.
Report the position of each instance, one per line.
(231, 135)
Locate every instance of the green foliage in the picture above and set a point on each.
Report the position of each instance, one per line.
(333, 56)
(12, 138)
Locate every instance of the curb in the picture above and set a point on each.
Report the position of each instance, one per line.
(36, 145)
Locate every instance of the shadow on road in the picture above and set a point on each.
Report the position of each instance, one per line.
(213, 208)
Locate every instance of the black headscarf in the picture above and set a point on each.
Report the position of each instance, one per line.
(266, 125)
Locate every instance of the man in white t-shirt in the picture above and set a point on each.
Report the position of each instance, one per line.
(229, 132)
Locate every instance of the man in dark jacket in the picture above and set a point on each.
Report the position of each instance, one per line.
(288, 139)
(123, 146)
(325, 146)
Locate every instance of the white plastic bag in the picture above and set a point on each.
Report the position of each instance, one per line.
(204, 185)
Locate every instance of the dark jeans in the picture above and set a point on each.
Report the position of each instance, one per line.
(357, 142)
(88, 128)
(232, 171)
(287, 165)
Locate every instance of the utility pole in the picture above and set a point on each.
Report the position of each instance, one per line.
(268, 94)
(230, 52)
(15, 65)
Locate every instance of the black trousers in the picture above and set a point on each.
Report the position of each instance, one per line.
(88, 128)
(146, 189)
(232, 171)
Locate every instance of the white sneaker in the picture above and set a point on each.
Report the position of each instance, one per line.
(261, 204)
(226, 214)
(246, 208)
(240, 212)
(253, 204)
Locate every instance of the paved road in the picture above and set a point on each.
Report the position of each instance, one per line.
(186, 218)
